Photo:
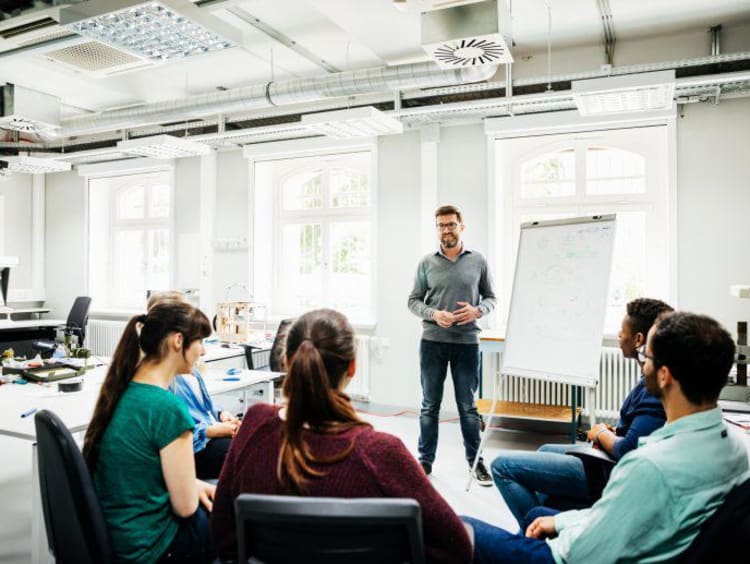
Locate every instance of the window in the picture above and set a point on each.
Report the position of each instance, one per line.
(323, 234)
(623, 172)
(129, 238)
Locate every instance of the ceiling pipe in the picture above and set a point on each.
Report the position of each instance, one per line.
(349, 83)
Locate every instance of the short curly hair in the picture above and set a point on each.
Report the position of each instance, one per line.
(642, 313)
(698, 351)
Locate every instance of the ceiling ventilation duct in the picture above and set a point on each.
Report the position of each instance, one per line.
(466, 35)
(29, 111)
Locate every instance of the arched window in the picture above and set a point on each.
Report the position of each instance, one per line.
(325, 240)
(581, 174)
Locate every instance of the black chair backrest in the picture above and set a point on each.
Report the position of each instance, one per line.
(278, 345)
(725, 532)
(319, 530)
(79, 317)
(597, 466)
(73, 518)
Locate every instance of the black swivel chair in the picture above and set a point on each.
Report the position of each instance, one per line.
(319, 530)
(597, 465)
(78, 318)
(73, 518)
(723, 535)
(273, 362)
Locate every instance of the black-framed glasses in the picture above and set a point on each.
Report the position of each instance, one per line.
(452, 226)
(642, 356)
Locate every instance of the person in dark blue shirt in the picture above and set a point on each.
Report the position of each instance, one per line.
(527, 479)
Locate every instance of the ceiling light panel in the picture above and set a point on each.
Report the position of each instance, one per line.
(355, 122)
(35, 165)
(156, 31)
(625, 94)
(163, 147)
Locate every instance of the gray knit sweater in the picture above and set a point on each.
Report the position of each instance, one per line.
(440, 283)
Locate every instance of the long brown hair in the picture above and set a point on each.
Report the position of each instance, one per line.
(319, 350)
(161, 320)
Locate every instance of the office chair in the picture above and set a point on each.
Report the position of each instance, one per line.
(273, 363)
(73, 518)
(725, 532)
(318, 530)
(78, 318)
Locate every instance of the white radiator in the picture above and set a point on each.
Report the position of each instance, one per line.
(102, 336)
(617, 376)
(359, 387)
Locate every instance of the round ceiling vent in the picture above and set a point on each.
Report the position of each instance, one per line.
(470, 52)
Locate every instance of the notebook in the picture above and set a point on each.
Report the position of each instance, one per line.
(734, 406)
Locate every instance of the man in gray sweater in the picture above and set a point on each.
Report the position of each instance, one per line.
(452, 289)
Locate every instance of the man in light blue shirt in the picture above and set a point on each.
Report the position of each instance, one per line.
(661, 493)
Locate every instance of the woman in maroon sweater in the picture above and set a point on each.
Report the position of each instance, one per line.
(318, 446)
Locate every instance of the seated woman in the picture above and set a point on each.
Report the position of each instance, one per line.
(214, 428)
(138, 445)
(318, 446)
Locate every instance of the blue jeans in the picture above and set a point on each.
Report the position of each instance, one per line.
(493, 545)
(193, 543)
(434, 359)
(528, 479)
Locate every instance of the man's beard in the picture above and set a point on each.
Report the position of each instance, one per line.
(449, 241)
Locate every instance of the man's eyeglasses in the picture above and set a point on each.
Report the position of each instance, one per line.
(642, 356)
(452, 226)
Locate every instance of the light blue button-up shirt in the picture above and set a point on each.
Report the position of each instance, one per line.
(658, 495)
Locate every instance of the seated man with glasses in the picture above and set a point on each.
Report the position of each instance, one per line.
(528, 479)
(661, 493)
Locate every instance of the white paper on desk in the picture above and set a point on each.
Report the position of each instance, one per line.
(739, 419)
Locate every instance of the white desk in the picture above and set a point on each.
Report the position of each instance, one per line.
(38, 311)
(6, 325)
(75, 410)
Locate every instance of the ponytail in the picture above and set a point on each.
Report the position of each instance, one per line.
(320, 348)
(148, 344)
(121, 371)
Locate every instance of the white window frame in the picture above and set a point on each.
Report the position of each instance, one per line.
(505, 206)
(133, 167)
(262, 285)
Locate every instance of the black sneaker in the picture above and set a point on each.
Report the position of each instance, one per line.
(427, 467)
(483, 477)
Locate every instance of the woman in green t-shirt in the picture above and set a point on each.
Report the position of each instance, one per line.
(139, 444)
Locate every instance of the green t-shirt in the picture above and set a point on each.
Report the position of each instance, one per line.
(128, 476)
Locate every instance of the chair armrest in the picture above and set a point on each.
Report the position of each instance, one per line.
(597, 465)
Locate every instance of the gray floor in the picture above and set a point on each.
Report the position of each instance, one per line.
(449, 477)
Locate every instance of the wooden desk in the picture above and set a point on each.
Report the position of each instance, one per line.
(75, 409)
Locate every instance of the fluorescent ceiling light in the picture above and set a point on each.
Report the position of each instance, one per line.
(35, 165)
(156, 31)
(163, 147)
(625, 94)
(355, 122)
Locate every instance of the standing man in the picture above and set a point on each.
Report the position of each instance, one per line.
(452, 289)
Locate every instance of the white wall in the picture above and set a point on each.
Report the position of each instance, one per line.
(65, 241)
(16, 227)
(713, 179)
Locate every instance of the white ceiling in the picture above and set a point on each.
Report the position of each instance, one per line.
(346, 34)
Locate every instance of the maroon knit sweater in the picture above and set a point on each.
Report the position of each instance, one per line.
(378, 466)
